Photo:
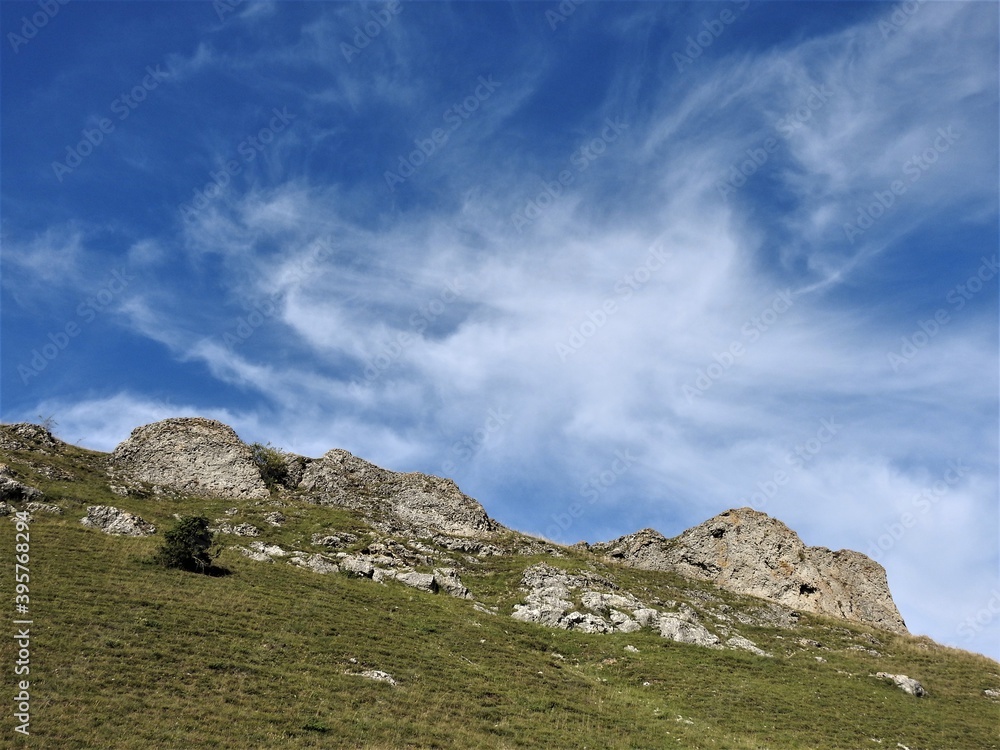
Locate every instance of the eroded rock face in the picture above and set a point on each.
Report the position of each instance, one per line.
(190, 455)
(418, 504)
(749, 552)
(24, 436)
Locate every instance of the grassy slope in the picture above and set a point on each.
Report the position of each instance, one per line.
(127, 655)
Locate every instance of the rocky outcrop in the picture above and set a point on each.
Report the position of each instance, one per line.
(412, 503)
(116, 522)
(24, 436)
(14, 491)
(190, 455)
(590, 603)
(749, 552)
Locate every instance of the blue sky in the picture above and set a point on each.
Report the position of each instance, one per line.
(608, 265)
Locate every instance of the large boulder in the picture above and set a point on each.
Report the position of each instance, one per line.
(417, 504)
(748, 552)
(190, 455)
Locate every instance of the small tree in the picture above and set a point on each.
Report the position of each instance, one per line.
(187, 545)
(272, 465)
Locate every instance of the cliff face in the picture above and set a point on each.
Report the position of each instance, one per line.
(749, 552)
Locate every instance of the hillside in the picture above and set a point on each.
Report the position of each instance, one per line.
(361, 607)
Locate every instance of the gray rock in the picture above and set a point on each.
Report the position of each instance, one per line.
(24, 436)
(189, 455)
(738, 641)
(277, 518)
(376, 674)
(342, 539)
(256, 555)
(447, 580)
(44, 508)
(358, 566)
(422, 581)
(14, 491)
(5, 510)
(314, 562)
(991, 693)
(240, 529)
(748, 552)
(116, 521)
(417, 504)
(683, 630)
(907, 684)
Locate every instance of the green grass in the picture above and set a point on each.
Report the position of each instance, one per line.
(129, 655)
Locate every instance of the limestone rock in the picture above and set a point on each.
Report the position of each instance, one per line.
(418, 504)
(738, 641)
(448, 581)
(314, 562)
(24, 436)
(333, 540)
(684, 630)
(277, 518)
(190, 455)
(116, 521)
(376, 674)
(748, 552)
(239, 529)
(15, 491)
(44, 508)
(907, 684)
(358, 566)
(422, 581)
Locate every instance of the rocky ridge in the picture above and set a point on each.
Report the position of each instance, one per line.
(748, 552)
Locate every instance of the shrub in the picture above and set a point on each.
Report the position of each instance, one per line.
(272, 465)
(187, 545)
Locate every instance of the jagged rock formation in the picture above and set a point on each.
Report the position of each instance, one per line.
(418, 504)
(192, 455)
(748, 552)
